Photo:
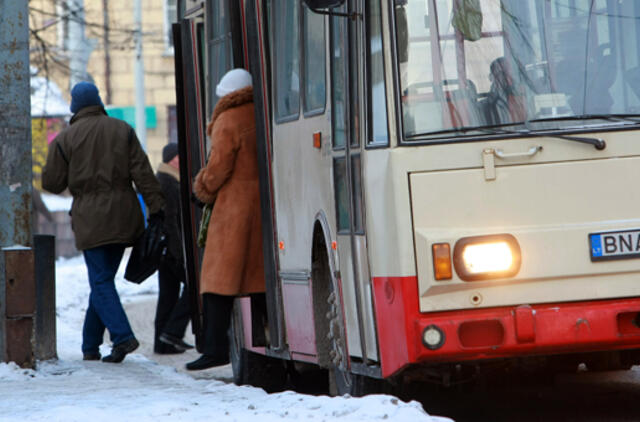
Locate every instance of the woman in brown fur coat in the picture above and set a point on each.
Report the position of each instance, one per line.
(233, 264)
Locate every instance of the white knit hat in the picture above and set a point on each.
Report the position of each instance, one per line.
(233, 80)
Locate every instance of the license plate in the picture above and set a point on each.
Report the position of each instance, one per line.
(615, 245)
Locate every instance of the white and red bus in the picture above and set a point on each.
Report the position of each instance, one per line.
(444, 183)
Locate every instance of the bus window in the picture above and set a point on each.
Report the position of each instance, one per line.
(338, 82)
(535, 64)
(377, 105)
(314, 62)
(342, 194)
(358, 214)
(287, 60)
(219, 45)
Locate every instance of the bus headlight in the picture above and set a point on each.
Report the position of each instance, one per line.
(486, 257)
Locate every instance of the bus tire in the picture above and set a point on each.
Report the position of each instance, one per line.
(347, 383)
(251, 368)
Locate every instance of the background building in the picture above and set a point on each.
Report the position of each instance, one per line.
(75, 40)
(94, 40)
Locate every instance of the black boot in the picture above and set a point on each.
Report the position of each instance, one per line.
(174, 341)
(166, 349)
(120, 350)
(91, 356)
(207, 361)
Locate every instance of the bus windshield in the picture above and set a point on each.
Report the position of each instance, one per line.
(478, 67)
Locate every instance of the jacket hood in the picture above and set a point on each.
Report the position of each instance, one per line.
(88, 111)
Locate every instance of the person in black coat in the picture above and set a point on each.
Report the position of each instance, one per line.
(172, 310)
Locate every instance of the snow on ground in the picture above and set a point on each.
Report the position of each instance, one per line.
(46, 98)
(70, 389)
(56, 202)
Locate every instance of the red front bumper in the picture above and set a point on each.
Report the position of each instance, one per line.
(512, 331)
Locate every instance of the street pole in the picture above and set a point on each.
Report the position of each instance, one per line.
(107, 51)
(80, 46)
(17, 286)
(138, 70)
(15, 125)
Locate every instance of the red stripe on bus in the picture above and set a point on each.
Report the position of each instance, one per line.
(503, 332)
(394, 309)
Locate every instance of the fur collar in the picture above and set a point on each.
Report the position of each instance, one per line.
(235, 99)
(171, 171)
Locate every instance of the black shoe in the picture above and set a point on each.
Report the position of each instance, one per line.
(91, 356)
(166, 349)
(119, 351)
(174, 341)
(206, 361)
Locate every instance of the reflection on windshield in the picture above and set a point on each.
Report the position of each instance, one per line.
(468, 64)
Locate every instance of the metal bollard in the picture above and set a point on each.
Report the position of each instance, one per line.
(28, 302)
(45, 274)
(18, 288)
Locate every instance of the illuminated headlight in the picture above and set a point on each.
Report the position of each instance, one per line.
(432, 337)
(485, 257)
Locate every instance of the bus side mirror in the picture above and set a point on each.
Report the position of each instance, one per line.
(323, 4)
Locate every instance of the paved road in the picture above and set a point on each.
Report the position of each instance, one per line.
(581, 397)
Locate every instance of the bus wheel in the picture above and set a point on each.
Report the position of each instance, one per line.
(252, 368)
(341, 380)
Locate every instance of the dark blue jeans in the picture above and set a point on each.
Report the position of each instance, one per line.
(105, 309)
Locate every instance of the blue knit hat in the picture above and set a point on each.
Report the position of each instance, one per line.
(169, 152)
(84, 94)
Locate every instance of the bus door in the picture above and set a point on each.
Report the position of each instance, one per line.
(346, 89)
(188, 43)
(206, 47)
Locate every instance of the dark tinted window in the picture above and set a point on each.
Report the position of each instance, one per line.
(338, 81)
(287, 60)
(378, 130)
(342, 194)
(314, 62)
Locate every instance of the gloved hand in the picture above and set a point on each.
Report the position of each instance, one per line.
(155, 236)
(196, 201)
(156, 218)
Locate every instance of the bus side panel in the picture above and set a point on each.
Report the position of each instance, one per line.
(297, 298)
(302, 188)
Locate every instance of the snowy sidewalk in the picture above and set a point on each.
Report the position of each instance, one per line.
(141, 389)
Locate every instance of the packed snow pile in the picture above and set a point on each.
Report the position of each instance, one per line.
(70, 389)
(57, 202)
(46, 98)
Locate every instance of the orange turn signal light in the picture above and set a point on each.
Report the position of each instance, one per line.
(317, 140)
(441, 261)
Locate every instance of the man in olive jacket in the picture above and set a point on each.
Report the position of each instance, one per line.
(97, 158)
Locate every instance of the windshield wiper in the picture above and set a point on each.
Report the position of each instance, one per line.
(598, 143)
(628, 118)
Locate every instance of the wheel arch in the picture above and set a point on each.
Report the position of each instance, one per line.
(323, 272)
